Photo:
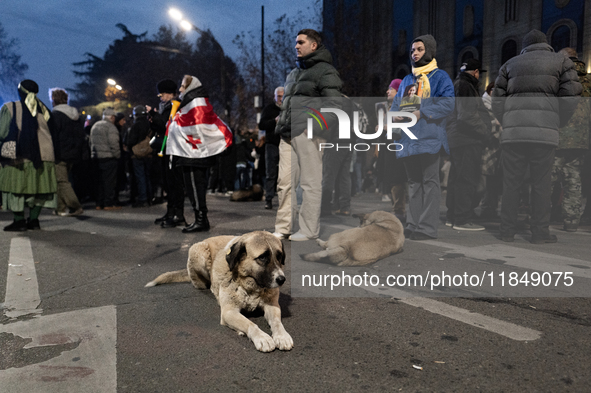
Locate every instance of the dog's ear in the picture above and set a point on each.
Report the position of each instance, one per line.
(235, 254)
(282, 259)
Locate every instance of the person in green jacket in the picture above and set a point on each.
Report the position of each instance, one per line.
(27, 176)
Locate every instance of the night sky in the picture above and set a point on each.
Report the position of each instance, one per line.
(54, 34)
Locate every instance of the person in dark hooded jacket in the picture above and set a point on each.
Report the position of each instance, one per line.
(421, 155)
(141, 165)
(535, 94)
(68, 144)
(468, 131)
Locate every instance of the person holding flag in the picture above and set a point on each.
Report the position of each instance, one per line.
(172, 175)
(195, 136)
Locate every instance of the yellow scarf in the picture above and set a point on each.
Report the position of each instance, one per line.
(31, 103)
(421, 74)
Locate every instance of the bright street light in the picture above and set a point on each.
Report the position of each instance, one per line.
(186, 25)
(118, 87)
(175, 14)
(111, 82)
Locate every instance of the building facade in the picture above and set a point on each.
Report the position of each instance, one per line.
(370, 39)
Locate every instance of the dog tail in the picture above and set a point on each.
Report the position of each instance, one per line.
(165, 278)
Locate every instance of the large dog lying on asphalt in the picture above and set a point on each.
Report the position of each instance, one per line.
(244, 273)
(379, 235)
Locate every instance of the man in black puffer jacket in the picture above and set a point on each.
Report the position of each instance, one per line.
(535, 94)
(468, 131)
(314, 76)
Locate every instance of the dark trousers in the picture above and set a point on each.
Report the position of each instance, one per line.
(196, 186)
(336, 176)
(271, 170)
(107, 181)
(424, 193)
(464, 176)
(516, 158)
(173, 184)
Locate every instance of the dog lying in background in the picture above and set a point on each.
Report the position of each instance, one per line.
(253, 194)
(244, 273)
(379, 235)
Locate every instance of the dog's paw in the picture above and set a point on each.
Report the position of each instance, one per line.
(263, 342)
(283, 341)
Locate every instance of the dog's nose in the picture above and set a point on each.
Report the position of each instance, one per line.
(280, 280)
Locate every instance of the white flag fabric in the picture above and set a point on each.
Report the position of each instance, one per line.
(197, 132)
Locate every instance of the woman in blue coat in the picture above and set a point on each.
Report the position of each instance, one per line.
(421, 155)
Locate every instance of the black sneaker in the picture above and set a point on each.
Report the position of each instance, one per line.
(33, 224)
(16, 226)
(420, 236)
(543, 240)
(269, 205)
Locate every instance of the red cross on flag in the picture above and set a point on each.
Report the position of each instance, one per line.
(197, 132)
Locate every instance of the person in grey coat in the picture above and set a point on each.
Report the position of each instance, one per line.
(535, 94)
(104, 147)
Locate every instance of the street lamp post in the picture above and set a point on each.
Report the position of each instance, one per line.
(186, 25)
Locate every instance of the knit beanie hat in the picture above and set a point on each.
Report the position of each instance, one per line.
(534, 37)
(395, 84)
(430, 50)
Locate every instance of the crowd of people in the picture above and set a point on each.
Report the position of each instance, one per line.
(524, 142)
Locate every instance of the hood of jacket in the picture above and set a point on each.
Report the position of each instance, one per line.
(538, 46)
(67, 110)
(320, 55)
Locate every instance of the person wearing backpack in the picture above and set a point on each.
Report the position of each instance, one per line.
(138, 142)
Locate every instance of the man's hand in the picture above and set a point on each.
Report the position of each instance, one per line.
(401, 118)
(148, 108)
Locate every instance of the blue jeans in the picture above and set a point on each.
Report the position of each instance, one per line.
(141, 170)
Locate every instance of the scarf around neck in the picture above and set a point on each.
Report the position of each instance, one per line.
(421, 73)
(33, 104)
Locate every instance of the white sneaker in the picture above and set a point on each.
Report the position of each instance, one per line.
(386, 198)
(469, 227)
(298, 237)
(280, 235)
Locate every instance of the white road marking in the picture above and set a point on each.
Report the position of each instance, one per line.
(90, 367)
(507, 329)
(22, 290)
(520, 257)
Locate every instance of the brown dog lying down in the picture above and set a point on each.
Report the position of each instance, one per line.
(253, 194)
(244, 273)
(379, 235)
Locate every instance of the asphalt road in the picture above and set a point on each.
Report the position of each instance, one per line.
(93, 327)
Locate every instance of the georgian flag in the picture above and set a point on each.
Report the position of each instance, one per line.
(197, 132)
